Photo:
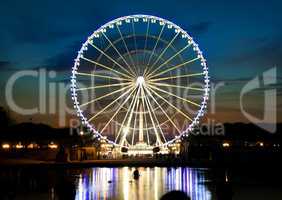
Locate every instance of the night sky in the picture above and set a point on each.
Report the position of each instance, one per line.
(240, 39)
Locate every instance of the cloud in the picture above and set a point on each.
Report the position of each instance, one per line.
(64, 60)
(199, 28)
(36, 22)
(240, 82)
(265, 52)
(4, 64)
(7, 66)
(29, 29)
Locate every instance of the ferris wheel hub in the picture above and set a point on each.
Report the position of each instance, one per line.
(140, 80)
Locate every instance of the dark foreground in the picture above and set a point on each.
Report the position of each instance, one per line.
(62, 182)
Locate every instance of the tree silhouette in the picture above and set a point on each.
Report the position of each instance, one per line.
(5, 119)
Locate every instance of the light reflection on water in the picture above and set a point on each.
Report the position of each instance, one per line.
(118, 183)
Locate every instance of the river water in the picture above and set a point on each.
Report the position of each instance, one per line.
(117, 183)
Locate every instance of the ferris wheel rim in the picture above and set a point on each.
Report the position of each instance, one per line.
(200, 112)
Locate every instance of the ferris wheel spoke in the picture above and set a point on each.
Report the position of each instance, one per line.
(135, 44)
(129, 54)
(164, 51)
(165, 113)
(157, 41)
(117, 111)
(151, 118)
(105, 67)
(174, 95)
(175, 77)
(177, 109)
(102, 86)
(145, 45)
(110, 58)
(177, 86)
(135, 117)
(133, 131)
(102, 76)
(130, 112)
(125, 117)
(175, 67)
(110, 104)
(165, 62)
(135, 107)
(106, 95)
(147, 131)
(156, 119)
(117, 51)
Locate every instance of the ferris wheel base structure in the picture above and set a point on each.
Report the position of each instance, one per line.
(142, 148)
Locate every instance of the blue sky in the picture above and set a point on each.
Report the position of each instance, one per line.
(240, 39)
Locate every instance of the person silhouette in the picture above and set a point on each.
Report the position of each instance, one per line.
(175, 194)
(136, 174)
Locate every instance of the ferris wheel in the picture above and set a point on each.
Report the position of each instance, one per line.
(140, 79)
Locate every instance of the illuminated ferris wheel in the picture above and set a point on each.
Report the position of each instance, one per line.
(140, 80)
